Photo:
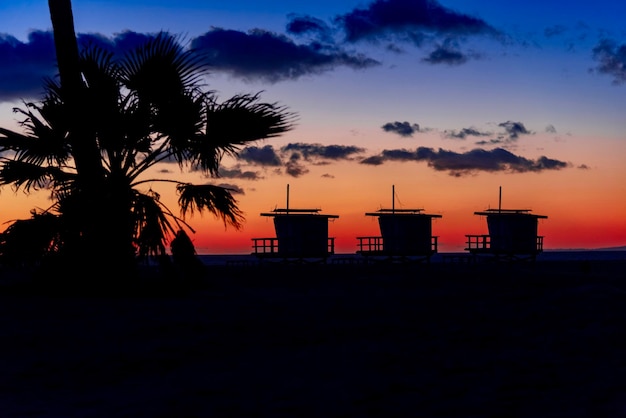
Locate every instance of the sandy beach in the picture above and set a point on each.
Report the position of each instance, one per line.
(539, 339)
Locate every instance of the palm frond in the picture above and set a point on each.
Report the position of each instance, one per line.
(234, 123)
(243, 118)
(180, 121)
(214, 199)
(31, 176)
(151, 224)
(102, 97)
(160, 68)
(41, 144)
(28, 241)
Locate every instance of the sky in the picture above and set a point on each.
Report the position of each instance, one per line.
(446, 106)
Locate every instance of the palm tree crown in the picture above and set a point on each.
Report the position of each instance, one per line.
(144, 108)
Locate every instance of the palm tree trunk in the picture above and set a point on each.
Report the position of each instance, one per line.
(93, 227)
(85, 150)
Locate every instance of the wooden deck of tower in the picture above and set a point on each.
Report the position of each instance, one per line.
(406, 235)
(301, 236)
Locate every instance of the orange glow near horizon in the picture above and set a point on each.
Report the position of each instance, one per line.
(560, 231)
(585, 207)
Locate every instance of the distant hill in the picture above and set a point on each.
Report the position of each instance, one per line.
(622, 248)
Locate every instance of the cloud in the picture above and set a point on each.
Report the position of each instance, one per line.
(25, 65)
(414, 21)
(445, 55)
(611, 59)
(293, 157)
(265, 156)
(294, 166)
(514, 129)
(238, 173)
(459, 164)
(401, 128)
(494, 141)
(317, 151)
(308, 25)
(374, 160)
(262, 55)
(234, 189)
(464, 133)
(253, 55)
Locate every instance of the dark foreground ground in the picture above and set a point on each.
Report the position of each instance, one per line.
(489, 340)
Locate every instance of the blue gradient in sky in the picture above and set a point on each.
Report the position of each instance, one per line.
(447, 67)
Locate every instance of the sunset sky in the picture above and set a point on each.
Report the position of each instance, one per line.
(445, 102)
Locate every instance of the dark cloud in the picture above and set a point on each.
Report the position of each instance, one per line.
(493, 141)
(25, 65)
(514, 129)
(270, 57)
(238, 173)
(409, 20)
(315, 151)
(294, 166)
(374, 160)
(611, 59)
(262, 156)
(445, 55)
(464, 133)
(458, 164)
(119, 44)
(308, 25)
(401, 128)
(234, 189)
(294, 156)
(550, 129)
(255, 55)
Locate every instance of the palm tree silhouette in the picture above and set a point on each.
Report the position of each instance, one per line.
(142, 109)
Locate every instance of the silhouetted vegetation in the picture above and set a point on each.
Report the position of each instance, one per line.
(133, 112)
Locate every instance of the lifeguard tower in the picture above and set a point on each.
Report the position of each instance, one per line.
(406, 235)
(512, 234)
(301, 235)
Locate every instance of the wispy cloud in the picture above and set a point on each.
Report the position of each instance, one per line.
(294, 159)
(401, 128)
(464, 133)
(445, 54)
(318, 151)
(238, 173)
(611, 58)
(234, 189)
(470, 162)
(514, 129)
